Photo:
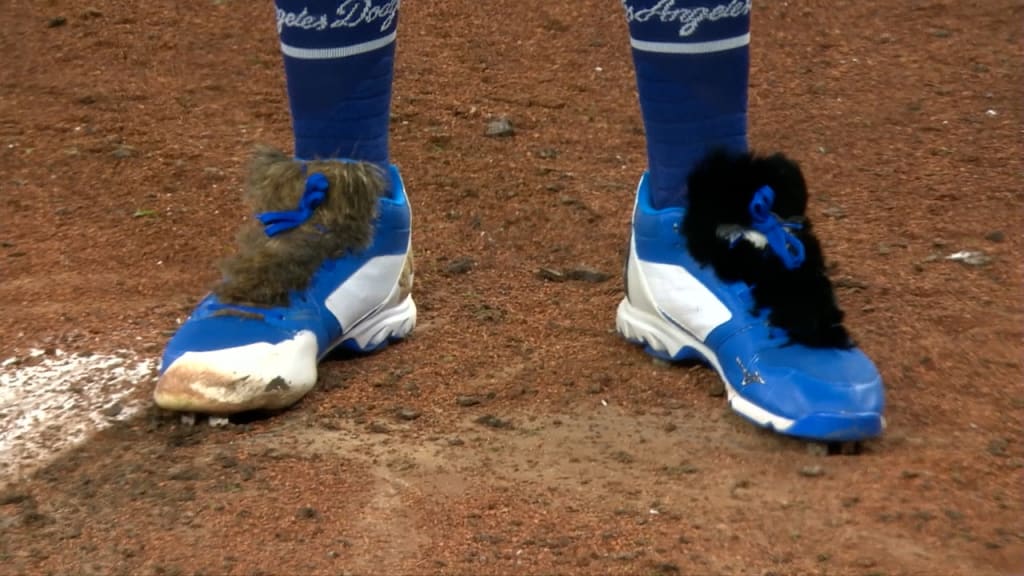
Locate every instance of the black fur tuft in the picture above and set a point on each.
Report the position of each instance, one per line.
(720, 190)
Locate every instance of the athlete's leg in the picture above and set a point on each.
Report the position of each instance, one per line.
(326, 262)
(339, 62)
(691, 60)
(723, 267)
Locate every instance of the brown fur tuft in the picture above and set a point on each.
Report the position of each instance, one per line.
(265, 268)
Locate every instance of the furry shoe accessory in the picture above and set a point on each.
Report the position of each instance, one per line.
(737, 280)
(326, 263)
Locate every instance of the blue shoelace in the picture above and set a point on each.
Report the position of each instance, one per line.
(779, 235)
(778, 232)
(275, 223)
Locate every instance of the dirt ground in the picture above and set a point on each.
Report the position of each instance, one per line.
(515, 433)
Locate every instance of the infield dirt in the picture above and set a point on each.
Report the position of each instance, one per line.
(515, 432)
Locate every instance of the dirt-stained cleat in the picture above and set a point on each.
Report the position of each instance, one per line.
(737, 280)
(327, 263)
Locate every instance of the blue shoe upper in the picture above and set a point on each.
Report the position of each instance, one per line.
(214, 325)
(810, 386)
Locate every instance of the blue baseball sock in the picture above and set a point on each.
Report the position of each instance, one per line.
(339, 60)
(692, 63)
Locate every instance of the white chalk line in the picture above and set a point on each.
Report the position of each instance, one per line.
(51, 401)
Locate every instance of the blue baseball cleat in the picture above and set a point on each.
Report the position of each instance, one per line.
(816, 385)
(336, 272)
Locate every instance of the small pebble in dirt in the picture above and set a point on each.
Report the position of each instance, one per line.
(306, 513)
(488, 313)
(56, 22)
(666, 569)
(850, 283)
(246, 472)
(684, 468)
(551, 275)
(408, 414)
(499, 128)
(485, 538)
(456, 441)
(168, 570)
(225, 460)
(970, 257)
(123, 151)
(995, 236)
(378, 428)
(835, 212)
(459, 266)
(623, 457)
(183, 472)
(588, 275)
(466, 401)
(998, 446)
(112, 410)
(812, 471)
(569, 200)
(953, 515)
(492, 421)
